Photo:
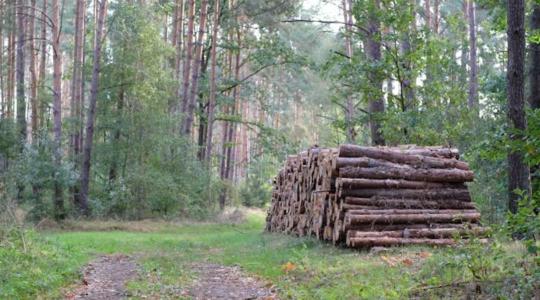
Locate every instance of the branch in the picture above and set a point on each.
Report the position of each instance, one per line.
(325, 22)
(223, 90)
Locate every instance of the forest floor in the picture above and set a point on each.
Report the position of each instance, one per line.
(224, 260)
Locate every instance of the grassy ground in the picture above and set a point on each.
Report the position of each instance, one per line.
(299, 268)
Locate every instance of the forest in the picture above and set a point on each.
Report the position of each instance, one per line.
(143, 139)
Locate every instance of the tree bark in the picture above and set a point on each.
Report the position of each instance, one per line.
(20, 70)
(43, 63)
(352, 202)
(350, 132)
(76, 81)
(412, 218)
(11, 66)
(427, 13)
(453, 194)
(363, 183)
(187, 62)
(473, 64)
(376, 102)
(2, 87)
(90, 119)
(213, 83)
(429, 175)
(197, 62)
(518, 171)
(32, 70)
(389, 241)
(57, 108)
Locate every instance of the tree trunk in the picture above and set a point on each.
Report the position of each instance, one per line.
(352, 202)
(465, 47)
(436, 17)
(427, 13)
(32, 70)
(473, 64)
(2, 87)
(76, 80)
(90, 119)
(213, 83)
(57, 108)
(42, 64)
(187, 62)
(376, 102)
(178, 47)
(77, 90)
(430, 175)
(452, 194)
(197, 62)
(518, 171)
(11, 67)
(349, 105)
(19, 70)
(408, 80)
(113, 170)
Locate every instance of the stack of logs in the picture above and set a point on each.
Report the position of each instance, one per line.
(375, 196)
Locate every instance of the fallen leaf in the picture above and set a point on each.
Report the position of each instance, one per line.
(389, 261)
(424, 254)
(287, 267)
(408, 262)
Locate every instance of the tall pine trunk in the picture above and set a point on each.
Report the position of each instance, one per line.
(197, 63)
(350, 132)
(187, 63)
(32, 70)
(2, 87)
(213, 84)
(473, 64)
(57, 109)
(518, 171)
(19, 70)
(91, 115)
(373, 51)
(42, 64)
(77, 91)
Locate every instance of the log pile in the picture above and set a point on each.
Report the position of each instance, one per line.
(375, 196)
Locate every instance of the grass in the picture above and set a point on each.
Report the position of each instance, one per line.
(300, 268)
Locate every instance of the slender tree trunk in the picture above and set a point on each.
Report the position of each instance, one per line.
(376, 101)
(213, 83)
(408, 79)
(57, 108)
(187, 63)
(77, 90)
(534, 76)
(465, 46)
(11, 66)
(42, 65)
(427, 13)
(473, 64)
(436, 16)
(76, 80)
(90, 119)
(350, 132)
(197, 62)
(518, 171)
(32, 69)
(113, 170)
(2, 87)
(19, 70)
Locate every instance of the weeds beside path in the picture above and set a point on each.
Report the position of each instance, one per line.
(173, 260)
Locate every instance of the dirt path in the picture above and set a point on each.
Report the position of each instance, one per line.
(221, 282)
(105, 278)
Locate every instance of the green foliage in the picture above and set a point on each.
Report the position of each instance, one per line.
(32, 267)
